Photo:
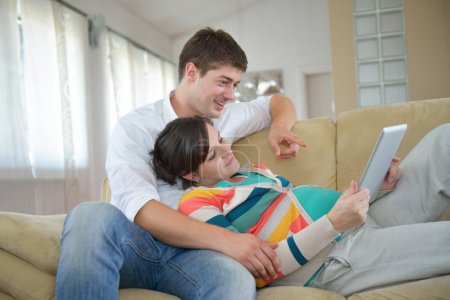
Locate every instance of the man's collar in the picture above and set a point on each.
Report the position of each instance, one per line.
(168, 111)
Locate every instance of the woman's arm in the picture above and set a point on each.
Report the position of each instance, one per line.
(350, 210)
(298, 249)
(292, 252)
(207, 205)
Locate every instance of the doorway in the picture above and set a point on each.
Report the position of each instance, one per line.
(319, 93)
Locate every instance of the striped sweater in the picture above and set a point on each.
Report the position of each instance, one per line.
(270, 207)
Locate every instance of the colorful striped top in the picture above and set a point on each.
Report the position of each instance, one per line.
(265, 205)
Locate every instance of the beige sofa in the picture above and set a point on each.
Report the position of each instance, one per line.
(29, 244)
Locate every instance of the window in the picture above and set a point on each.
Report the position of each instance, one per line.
(136, 76)
(381, 65)
(49, 149)
(43, 123)
(255, 84)
(48, 113)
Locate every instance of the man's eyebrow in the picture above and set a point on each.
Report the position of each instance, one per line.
(228, 79)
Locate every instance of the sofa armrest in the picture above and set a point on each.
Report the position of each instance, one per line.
(33, 238)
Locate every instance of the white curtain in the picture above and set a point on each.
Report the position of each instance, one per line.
(136, 77)
(44, 165)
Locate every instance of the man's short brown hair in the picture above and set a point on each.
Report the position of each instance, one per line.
(210, 49)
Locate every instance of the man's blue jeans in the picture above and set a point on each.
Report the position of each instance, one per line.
(102, 251)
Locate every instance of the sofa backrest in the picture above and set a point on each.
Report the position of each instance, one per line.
(338, 153)
(314, 165)
(358, 130)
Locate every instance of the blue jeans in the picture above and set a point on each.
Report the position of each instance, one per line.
(102, 251)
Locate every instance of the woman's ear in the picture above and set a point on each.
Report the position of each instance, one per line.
(192, 177)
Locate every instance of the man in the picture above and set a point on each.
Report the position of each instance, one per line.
(143, 245)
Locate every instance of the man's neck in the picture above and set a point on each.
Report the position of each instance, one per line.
(179, 100)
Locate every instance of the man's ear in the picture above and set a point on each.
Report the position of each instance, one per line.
(191, 72)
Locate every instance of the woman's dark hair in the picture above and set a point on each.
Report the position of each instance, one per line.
(180, 148)
(210, 49)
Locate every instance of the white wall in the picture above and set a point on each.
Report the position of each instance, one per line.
(292, 35)
(137, 30)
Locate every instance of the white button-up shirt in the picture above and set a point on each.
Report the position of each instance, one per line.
(128, 164)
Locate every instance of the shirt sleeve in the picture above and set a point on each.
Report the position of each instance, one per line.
(205, 205)
(242, 119)
(132, 180)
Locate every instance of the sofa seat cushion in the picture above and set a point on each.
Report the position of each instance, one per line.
(33, 238)
(293, 292)
(141, 294)
(432, 288)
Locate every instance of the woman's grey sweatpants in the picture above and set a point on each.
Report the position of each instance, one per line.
(402, 239)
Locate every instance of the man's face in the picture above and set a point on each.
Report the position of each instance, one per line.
(212, 91)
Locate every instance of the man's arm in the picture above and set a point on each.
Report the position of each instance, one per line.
(174, 228)
(133, 183)
(283, 115)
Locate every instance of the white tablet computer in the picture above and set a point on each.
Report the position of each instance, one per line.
(380, 160)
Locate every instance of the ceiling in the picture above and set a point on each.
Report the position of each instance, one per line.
(176, 17)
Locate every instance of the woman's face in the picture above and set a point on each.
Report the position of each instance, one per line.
(220, 162)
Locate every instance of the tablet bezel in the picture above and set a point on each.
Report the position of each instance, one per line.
(380, 160)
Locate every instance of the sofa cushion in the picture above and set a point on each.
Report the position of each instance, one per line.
(5, 297)
(355, 142)
(314, 165)
(33, 238)
(23, 281)
(293, 292)
(141, 294)
(432, 288)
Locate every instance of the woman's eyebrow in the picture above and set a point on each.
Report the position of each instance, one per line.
(211, 149)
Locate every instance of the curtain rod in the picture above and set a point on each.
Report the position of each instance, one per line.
(138, 45)
(68, 5)
(130, 40)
